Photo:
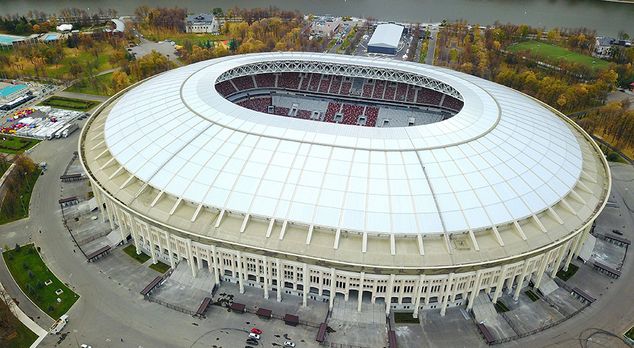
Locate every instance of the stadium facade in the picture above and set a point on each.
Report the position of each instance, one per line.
(502, 193)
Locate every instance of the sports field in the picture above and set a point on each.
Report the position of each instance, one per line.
(70, 103)
(552, 52)
(14, 145)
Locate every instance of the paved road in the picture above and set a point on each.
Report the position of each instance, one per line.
(431, 47)
(105, 311)
(33, 102)
(42, 319)
(613, 311)
(108, 311)
(619, 96)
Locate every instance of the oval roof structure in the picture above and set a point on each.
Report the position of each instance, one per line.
(504, 157)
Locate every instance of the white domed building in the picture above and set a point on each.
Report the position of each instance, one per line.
(322, 175)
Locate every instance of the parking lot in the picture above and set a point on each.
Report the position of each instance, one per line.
(39, 90)
(146, 47)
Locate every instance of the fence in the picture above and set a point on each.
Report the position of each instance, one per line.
(252, 310)
(75, 155)
(91, 238)
(171, 306)
(343, 345)
(534, 331)
(64, 217)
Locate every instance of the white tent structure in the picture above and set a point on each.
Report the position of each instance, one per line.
(385, 39)
(65, 27)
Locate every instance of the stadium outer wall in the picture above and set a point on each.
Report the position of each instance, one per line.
(279, 275)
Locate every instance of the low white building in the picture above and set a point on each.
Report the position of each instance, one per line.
(602, 46)
(385, 39)
(326, 25)
(65, 27)
(201, 23)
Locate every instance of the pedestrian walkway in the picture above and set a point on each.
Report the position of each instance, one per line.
(183, 290)
(28, 322)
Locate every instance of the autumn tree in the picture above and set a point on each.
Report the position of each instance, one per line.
(120, 80)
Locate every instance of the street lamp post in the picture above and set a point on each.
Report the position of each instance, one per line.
(22, 203)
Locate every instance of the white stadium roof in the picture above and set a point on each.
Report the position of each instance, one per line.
(386, 35)
(504, 157)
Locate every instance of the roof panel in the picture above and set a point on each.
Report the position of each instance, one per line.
(503, 157)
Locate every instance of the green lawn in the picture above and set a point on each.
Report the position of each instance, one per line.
(424, 47)
(21, 336)
(30, 272)
(99, 88)
(24, 200)
(630, 333)
(552, 52)
(179, 38)
(23, 339)
(61, 70)
(14, 145)
(70, 103)
(405, 318)
(131, 251)
(533, 296)
(160, 267)
(565, 275)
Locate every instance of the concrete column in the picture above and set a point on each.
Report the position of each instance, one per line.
(159, 234)
(572, 252)
(419, 290)
(509, 286)
(99, 200)
(117, 218)
(401, 289)
(150, 239)
(199, 262)
(321, 283)
(388, 297)
(190, 256)
(110, 218)
(305, 285)
(584, 237)
(360, 294)
(542, 269)
(135, 236)
(560, 257)
(169, 249)
(240, 273)
(333, 292)
(520, 281)
(446, 295)
(233, 265)
(214, 256)
(500, 284)
(428, 293)
(265, 262)
(476, 289)
(279, 280)
(347, 292)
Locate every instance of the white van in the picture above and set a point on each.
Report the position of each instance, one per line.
(59, 324)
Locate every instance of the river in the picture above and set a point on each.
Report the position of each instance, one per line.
(607, 18)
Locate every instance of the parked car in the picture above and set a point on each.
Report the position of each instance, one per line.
(289, 344)
(252, 342)
(256, 331)
(254, 335)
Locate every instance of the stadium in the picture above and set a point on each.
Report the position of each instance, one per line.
(316, 175)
